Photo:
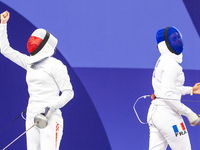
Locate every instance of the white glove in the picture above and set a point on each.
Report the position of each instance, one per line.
(196, 122)
(192, 117)
(47, 112)
(42, 118)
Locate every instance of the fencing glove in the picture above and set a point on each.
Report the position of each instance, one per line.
(42, 118)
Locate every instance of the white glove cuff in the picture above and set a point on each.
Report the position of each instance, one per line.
(191, 91)
(191, 116)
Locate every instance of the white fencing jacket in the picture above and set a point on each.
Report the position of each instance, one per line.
(45, 78)
(168, 79)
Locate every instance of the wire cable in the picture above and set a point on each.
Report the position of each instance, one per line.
(153, 97)
(145, 96)
(13, 121)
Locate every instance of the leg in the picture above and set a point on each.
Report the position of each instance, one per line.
(172, 127)
(179, 139)
(50, 136)
(156, 140)
(32, 136)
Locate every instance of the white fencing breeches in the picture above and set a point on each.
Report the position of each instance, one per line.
(48, 138)
(167, 127)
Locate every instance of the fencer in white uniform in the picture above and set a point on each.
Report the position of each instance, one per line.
(165, 120)
(48, 83)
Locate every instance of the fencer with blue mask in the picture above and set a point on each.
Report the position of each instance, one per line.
(165, 120)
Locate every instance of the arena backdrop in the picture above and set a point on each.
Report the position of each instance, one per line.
(109, 47)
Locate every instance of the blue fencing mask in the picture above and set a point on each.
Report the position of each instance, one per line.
(160, 36)
(173, 39)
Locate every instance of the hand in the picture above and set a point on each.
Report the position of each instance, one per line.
(196, 122)
(196, 88)
(42, 118)
(5, 17)
(47, 112)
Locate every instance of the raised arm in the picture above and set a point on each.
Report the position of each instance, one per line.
(5, 17)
